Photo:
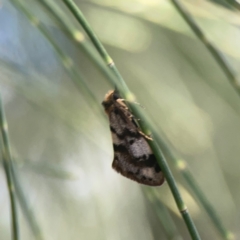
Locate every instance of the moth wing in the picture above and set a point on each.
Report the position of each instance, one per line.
(133, 158)
(146, 172)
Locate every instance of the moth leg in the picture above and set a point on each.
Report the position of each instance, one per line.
(145, 136)
(121, 102)
(135, 119)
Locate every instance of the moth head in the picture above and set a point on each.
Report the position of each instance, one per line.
(115, 95)
(110, 98)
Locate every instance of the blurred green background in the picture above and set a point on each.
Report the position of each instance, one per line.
(61, 141)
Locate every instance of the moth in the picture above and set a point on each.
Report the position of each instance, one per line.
(133, 157)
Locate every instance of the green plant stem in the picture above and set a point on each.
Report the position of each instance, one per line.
(28, 213)
(77, 37)
(7, 158)
(234, 3)
(217, 55)
(144, 123)
(181, 165)
(79, 16)
(163, 214)
(121, 85)
(225, 234)
(186, 173)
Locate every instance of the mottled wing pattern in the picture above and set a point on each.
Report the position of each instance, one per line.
(133, 157)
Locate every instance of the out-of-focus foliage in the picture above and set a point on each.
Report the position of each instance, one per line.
(62, 146)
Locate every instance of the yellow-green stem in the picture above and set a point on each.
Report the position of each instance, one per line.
(7, 158)
(122, 87)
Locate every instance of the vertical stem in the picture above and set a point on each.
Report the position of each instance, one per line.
(7, 158)
(174, 189)
(207, 206)
(28, 213)
(100, 48)
(181, 166)
(79, 16)
(121, 85)
(163, 214)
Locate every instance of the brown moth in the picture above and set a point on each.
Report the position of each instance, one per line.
(133, 157)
